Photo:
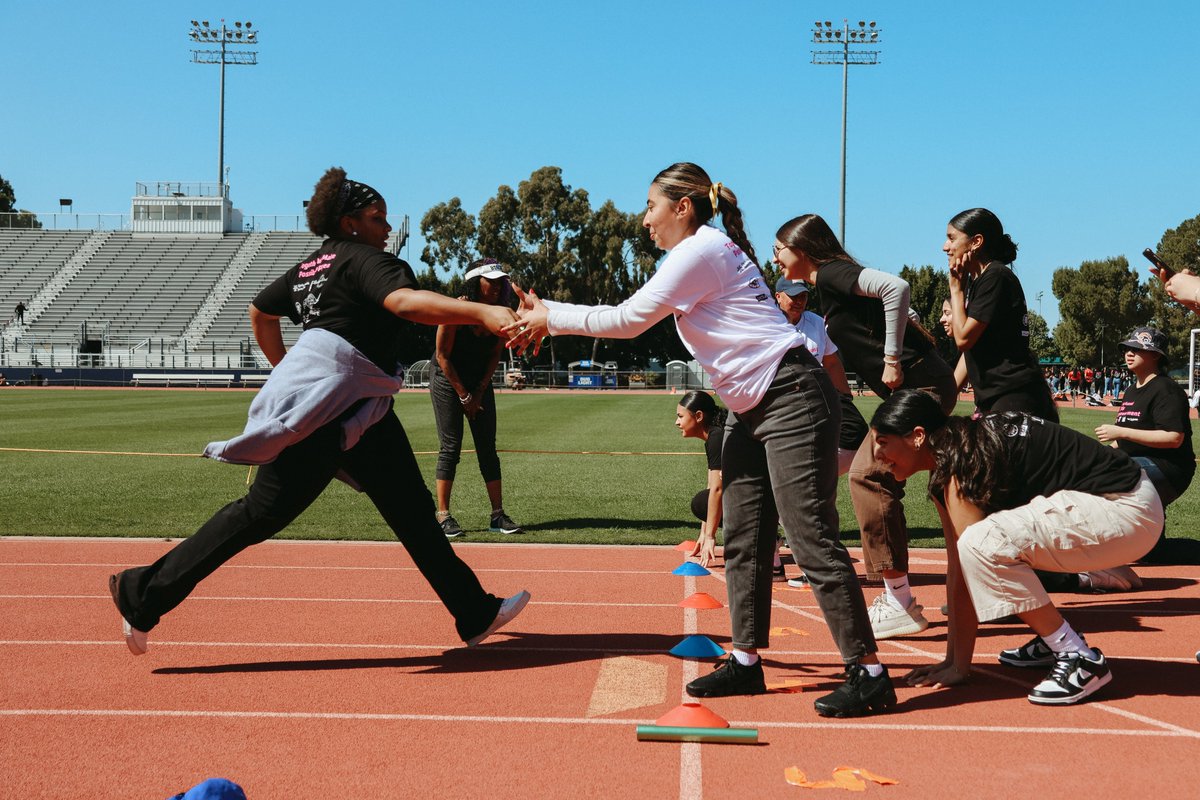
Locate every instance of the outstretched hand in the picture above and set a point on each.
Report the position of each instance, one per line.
(532, 324)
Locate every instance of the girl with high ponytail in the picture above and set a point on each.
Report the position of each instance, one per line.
(779, 458)
(989, 318)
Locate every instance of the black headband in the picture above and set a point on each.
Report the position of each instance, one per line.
(353, 196)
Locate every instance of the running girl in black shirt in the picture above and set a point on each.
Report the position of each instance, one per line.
(326, 411)
(1018, 493)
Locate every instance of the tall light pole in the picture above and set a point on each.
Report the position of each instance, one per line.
(241, 35)
(865, 34)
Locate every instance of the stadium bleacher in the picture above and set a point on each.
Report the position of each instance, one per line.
(142, 287)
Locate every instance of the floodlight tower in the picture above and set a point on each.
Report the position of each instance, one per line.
(241, 35)
(865, 34)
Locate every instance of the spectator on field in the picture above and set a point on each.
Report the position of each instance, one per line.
(699, 417)
(1154, 427)
(466, 357)
(326, 412)
(1089, 380)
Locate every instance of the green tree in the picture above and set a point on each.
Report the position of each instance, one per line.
(1180, 248)
(1041, 343)
(14, 217)
(1099, 303)
(552, 241)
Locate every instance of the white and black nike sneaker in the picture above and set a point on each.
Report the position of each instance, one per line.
(1074, 678)
(1034, 653)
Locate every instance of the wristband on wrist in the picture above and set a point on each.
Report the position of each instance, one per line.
(465, 398)
(893, 361)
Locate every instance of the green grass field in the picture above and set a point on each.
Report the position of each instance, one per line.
(640, 499)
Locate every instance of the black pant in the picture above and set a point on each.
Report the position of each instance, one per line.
(448, 415)
(383, 465)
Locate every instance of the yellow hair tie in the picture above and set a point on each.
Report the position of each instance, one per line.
(714, 196)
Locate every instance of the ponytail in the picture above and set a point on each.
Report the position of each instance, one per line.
(997, 245)
(709, 199)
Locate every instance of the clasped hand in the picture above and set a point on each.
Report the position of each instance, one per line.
(532, 325)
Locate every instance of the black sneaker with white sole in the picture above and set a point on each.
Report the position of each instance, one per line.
(1034, 653)
(1074, 678)
(859, 695)
(502, 523)
(728, 679)
(451, 528)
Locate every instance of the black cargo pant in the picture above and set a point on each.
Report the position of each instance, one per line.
(384, 467)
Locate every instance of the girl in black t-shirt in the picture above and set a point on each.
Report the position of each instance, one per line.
(1154, 427)
(460, 387)
(866, 316)
(1017, 493)
(326, 411)
(698, 417)
(989, 318)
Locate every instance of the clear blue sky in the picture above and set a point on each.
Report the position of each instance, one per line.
(1075, 122)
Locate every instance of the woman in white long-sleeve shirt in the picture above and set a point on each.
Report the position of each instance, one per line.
(866, 314)
(780, 440)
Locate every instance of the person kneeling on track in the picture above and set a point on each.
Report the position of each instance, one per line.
(1018, 493)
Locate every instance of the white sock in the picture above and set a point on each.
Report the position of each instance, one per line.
(1066, 640)
(898, 591)
(744, 658)
(874, 670)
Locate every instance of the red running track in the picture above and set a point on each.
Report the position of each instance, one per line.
(320, 670)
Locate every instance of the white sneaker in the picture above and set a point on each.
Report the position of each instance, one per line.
(1074, 678)
(1114, 579)
(887, 620)
(135, 640)
(507, 613)
(799, 583)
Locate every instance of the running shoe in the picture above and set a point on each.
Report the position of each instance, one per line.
(1114, 579)
(451, 528)
(502, 523)
(509, 610)
(860, 694)
(730, 678)
(135, 640)
(888, 619)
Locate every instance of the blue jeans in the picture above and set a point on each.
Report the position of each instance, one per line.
(780, 460)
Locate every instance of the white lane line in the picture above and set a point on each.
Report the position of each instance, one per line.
(1180, 733)
(691, 770)
(326, 568)
(385, 600)
(1166, 726)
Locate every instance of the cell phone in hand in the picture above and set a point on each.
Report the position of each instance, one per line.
(1164, 271)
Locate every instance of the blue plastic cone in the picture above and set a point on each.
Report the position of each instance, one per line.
(697, 646)
(690, 568)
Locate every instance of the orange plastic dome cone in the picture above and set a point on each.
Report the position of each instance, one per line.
(692, 715)
(700, 600)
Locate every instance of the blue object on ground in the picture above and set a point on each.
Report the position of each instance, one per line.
(690, 568)
(697, 646)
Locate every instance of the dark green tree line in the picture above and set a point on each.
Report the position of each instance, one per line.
(554, 242)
